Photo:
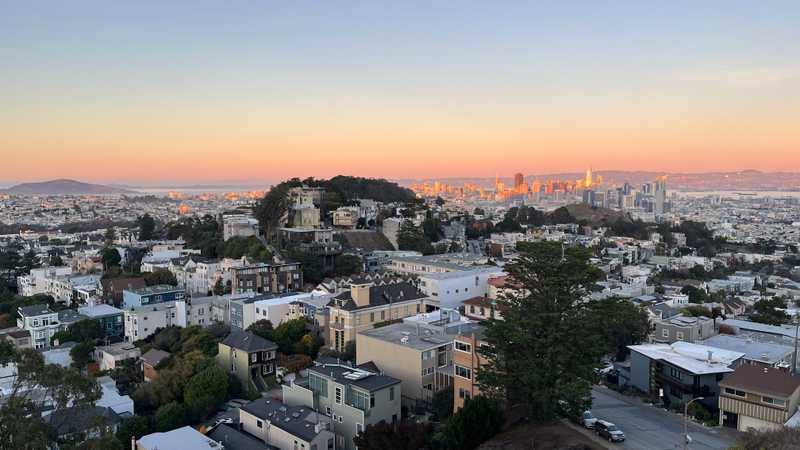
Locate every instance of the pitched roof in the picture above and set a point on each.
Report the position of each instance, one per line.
(155, 356)
(81, 418)
(381, 295)
(247, 341)
(762, 380)
(234, 439)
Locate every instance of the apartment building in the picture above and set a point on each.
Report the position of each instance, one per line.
(285, 427)
(109, 356)
(195, 274)
(238, 225)
(483, 308)
(109, 317)
(759, 398)
(111, 288)
(364, 305)
(266, 278)
(682, 328)
(450, 289)
(466, 361)
(273, 307)
(151, 295)
(36, 281)
(353, 397)
(41, 322)
(195, 311)
(419, 354)
(142, 321)
(249, 357)
(421, 265)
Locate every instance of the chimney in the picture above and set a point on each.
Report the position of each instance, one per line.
(710, 356)
(360, 294)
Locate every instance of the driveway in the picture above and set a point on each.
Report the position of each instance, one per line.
(650, 428)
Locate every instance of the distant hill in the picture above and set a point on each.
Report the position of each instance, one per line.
(594, 216)
(63, 187)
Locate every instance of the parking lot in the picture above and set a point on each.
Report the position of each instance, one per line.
(650, 428)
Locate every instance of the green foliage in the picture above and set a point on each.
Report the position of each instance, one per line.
(696, 311)
(783, 438)
(136, 426)
(476, 422)
(346, 264)
(110, 257)
(546, 350)
(770, 311)
(160, 276)
(287, 334)
(384, 436)
(147, 226)
(479, 212)
(80, 331)
(411, 237)
(81, 354)
(443, 403)
(203, 233)
(696, 295)
(171, 416)
(431, 227)
(262, 328)
(561, 216)
(55, 261)
(250, 246)
(699, 236)
(313, 270)
(219, 288)
(620, 323)
(206, 391)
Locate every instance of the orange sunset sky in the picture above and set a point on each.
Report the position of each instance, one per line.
(204, 92)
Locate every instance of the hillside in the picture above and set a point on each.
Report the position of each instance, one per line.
(64, 187)
(594, 216)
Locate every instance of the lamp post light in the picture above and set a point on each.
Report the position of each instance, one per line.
(686, 438)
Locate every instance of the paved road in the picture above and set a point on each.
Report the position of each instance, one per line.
(650, 428)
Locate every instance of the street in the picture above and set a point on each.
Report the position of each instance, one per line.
(650, 428)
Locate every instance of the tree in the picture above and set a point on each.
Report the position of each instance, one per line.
(696, 311)
(271, 211)
(55, 261)
(36, 384)
(110, 257)
(696, 295)
(443, 403)
(170, 416)
(147, 226)
(783, 438)
(160, 276)
(620, 323)
(477, 421)
(544, 354)
(478, 212)
(219, 288)
(110, 236)
(347, 264)
(134, 427)
(206, 391)
(262, 328)
(770, 311)
(384, 436)
(81, 354)
(411, 237)
(287, 334)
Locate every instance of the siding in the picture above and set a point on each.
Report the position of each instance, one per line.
(745, 408)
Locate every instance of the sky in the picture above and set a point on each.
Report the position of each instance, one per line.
(196, 91)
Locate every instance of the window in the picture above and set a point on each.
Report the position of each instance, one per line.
(427, 355)
(773, 401)
(427, 371)
(463, 393)
(463, 347)
(372, 317)
(472, 309)
(253, 357)
(339, 395)
(391, 393)
(327, 410)
(679, 335)
(383, 315)
(463, 372)
(665, 333)
(259, 424)
(359, 428)
(674, 373)
(340, 419)
(371, 400)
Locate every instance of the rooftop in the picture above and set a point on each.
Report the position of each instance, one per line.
(99, 310)
(292, 419)
(695, 358)
(155, 356)
(381, 295)
(157, 289)
(784, 330)
(762, 380)
(420, 337)
(185, 438)
(34, 310)
(755, 350)
(247, 341)
(355, 376)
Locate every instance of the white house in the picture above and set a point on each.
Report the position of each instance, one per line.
(452, 288)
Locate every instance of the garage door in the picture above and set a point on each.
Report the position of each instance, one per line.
(751, 422)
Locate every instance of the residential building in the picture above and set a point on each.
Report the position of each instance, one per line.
(111, 288)
(450, 262)
(142, 321)
(78, 424)
(110, 356)
(681, 371)
(758, 398)
(239, 225)
(450, 289)
(41, 322)
(419, 354)
(20, 339)
(483, 308)
(364, 305)
(111, 398)
(286, 427)
(195, 311)
(36, 281)
(682, 328)
(249, 357)
(150, 362)
(109, 317)
(267, 278)
(758, 350)
(273, 307)
(184, 438)
(353, 397)
(467, 360)
(195, 274)
(151, 295)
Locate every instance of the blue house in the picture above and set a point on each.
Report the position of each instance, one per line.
(110, 318)
(152, 294)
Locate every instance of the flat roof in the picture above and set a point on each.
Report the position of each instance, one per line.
(755, 350)
(99, 310)
(420, 337)
(157, 289)
(184, 438)
(691, 357)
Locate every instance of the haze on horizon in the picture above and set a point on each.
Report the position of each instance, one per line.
(200, 92)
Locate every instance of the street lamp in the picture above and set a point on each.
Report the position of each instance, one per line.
(686, 438)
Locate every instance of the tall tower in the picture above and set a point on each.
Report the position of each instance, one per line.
(588, 182)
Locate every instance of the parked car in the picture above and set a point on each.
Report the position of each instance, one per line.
(608, 430)
(588, 420)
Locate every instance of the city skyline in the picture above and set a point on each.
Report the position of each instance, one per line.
(191, 94)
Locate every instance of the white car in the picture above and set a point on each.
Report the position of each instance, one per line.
(588, 420)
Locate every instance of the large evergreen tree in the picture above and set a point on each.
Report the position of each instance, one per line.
(542, 356)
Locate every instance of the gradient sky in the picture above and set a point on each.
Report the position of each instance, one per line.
(173, 91)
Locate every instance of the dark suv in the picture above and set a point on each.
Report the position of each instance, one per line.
(608, 430)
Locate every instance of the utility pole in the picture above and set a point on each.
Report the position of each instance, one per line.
(794, 359)
(686, 438)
